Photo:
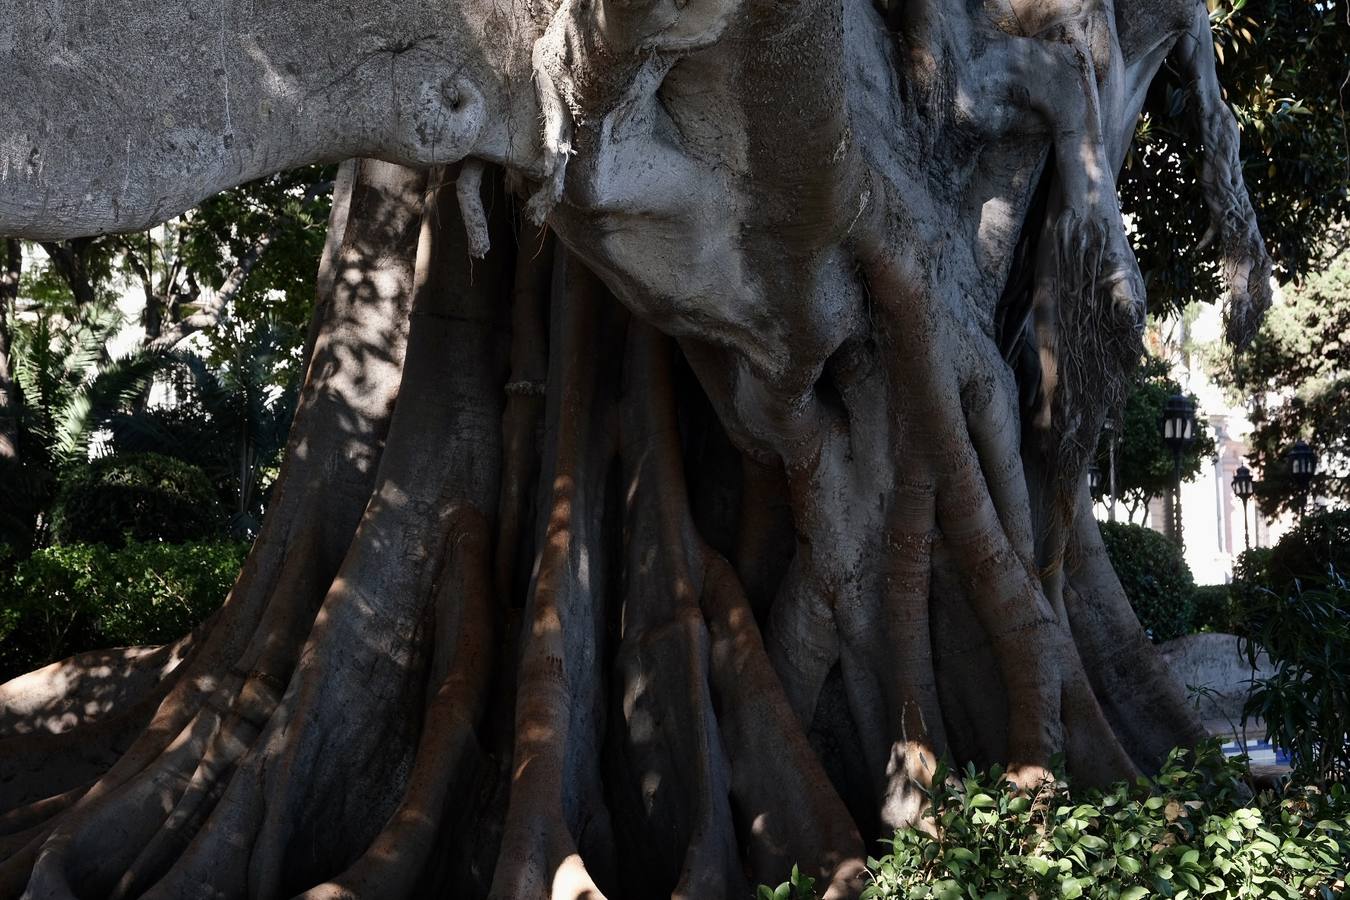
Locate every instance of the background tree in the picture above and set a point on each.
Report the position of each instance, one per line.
(240, 266)
(10, 275)
(67, 390)
(250, 251)
(1282, 65)
(568, 596)
(230, 414)
(1296, 382)
(1144, 464)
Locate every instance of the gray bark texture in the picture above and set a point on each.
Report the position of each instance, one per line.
(692, 450)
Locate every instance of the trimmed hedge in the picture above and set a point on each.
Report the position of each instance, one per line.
(70, 598)
(1189, 833)
(140, 496)
(1155, 577)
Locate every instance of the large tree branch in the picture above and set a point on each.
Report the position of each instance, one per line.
(169, 102)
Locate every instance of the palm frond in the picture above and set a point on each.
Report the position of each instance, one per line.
(114, 385)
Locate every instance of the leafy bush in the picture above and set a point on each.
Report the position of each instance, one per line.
(1155, 577)
(70, 598)
(1212, 609)
(143, 496)
(1305, 702)
(797, 887)
(1186, 834)
(1252, 566)
(1313, 547)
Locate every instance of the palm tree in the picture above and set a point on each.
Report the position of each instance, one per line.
(68, 389)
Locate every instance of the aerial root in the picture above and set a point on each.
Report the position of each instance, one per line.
(556, 809)
(982, 516)
(24, 819)
(523, 415)
(777, 781)
(448, 749)
(1245, 263)
(1096, 302)
(1131, 681)
(693, 661)
(469, 190)
(557, 125)
(918, 732)
(94, 843)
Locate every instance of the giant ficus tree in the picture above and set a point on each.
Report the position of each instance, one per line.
(692, 449)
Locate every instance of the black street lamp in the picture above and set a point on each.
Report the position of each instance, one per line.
(1243, 488)
(1302, 466)
(1178, 431)
(1094, 480)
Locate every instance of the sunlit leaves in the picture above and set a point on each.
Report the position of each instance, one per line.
(1283, 67)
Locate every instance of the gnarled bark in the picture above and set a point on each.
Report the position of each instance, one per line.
(695, 525)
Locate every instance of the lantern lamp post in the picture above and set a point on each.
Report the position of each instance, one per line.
(1094, 480)
(1243, 488)
(1302, 466)
(1178, 432)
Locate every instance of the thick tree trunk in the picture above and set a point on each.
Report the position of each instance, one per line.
(693, 527)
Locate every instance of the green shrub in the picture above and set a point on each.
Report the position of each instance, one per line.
(1305, 701)
(1251, 578)
(1155, 577)
(70, 598)
(141, 496)
(797, 887)
(1253, 566)
(1313, 547)
(1186, 834)
(1212, 609)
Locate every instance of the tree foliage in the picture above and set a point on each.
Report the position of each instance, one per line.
(1283, 67)
(230, 414)
(1295, 378)
(69, 598)
(292, 206)
(1318, 545)
(1145, 468)
(67, 389)
(279, 218)
(1305, 699)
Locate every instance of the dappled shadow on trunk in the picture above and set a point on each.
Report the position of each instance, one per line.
(386, 707)
(672, 543)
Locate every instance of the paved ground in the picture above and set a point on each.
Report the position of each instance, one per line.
(1268, 763)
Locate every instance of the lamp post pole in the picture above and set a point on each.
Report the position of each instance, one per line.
(1243, 488)
(1178, 431)
(1110, 469)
